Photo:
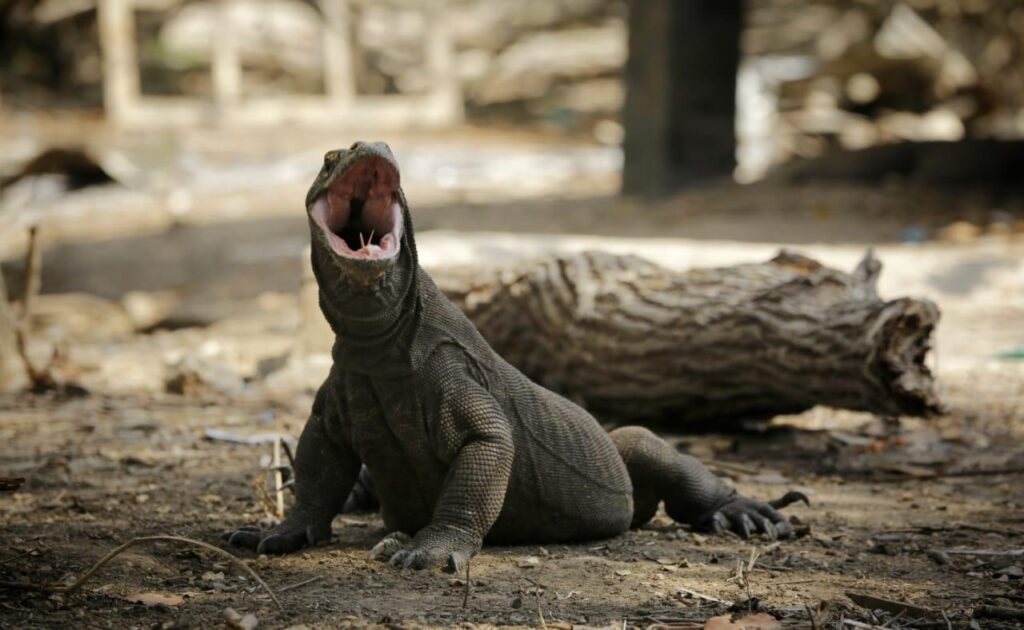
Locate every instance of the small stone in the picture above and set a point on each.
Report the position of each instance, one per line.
(237, 621)
(529, 562)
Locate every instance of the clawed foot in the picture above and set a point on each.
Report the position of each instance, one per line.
(287, 537)
(390, 545)
(746, 516)
(400, 550)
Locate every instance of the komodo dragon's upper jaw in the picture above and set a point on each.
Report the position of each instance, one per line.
(355, 203)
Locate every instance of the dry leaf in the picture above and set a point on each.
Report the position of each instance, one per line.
(155, 599)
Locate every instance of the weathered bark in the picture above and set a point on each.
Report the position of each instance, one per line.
(633, 341)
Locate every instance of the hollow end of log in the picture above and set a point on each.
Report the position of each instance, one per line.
(905, 339)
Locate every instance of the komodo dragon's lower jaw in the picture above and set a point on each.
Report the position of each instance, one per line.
(365, 273)
(365, 265)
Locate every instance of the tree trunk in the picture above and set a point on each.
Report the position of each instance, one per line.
(9, 361)
(632, 341)
(680, 107)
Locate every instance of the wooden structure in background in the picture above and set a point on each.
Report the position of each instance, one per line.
(680, 108)
(9, 361)
(339, 105)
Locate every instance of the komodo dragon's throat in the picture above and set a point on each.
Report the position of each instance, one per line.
(462, 448)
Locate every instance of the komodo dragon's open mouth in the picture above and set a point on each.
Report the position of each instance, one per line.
(359, 213)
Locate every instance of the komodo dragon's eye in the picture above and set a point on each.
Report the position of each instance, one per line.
(331, 159)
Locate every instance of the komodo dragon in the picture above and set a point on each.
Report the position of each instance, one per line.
(462, 448)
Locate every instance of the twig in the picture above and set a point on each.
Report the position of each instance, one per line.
(984, 472)
(870, 602)
(77, 584)
(278, 480)
(465, 594)
(30, 286)
(743, 571)
(929, 529)
(999, 612)
(259, 483)
(707, 598)
(540, 611)
(26, 586)
(15, 608)
(896, 617)
(38, 380)
(253, 589)
(291, 587)
(960, 551)
(288, 454)
(812, 617)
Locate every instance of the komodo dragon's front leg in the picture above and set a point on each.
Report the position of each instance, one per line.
(325, 471)
(472, 436)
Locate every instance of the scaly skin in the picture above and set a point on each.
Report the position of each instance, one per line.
(462, 448)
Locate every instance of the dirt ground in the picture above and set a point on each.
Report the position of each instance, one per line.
(926, 512)
(104, 469)
(907, 511)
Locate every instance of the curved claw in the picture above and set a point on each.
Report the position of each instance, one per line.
(415, 558)
(285, 542)
(227, 534)
(745, 517)
(247, 537)
(284, 538)
(407, 557)
(389, 546)
(789, 498)
(457, 561)
(766, 527)
(720, 523)
(744, 526)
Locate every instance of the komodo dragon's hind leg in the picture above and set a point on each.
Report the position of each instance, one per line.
(692, 494)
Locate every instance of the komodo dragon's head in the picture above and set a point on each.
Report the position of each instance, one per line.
(364, 255)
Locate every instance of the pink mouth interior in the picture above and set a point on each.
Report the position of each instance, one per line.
(360, 213)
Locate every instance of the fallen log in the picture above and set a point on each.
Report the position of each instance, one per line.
(632, 341)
